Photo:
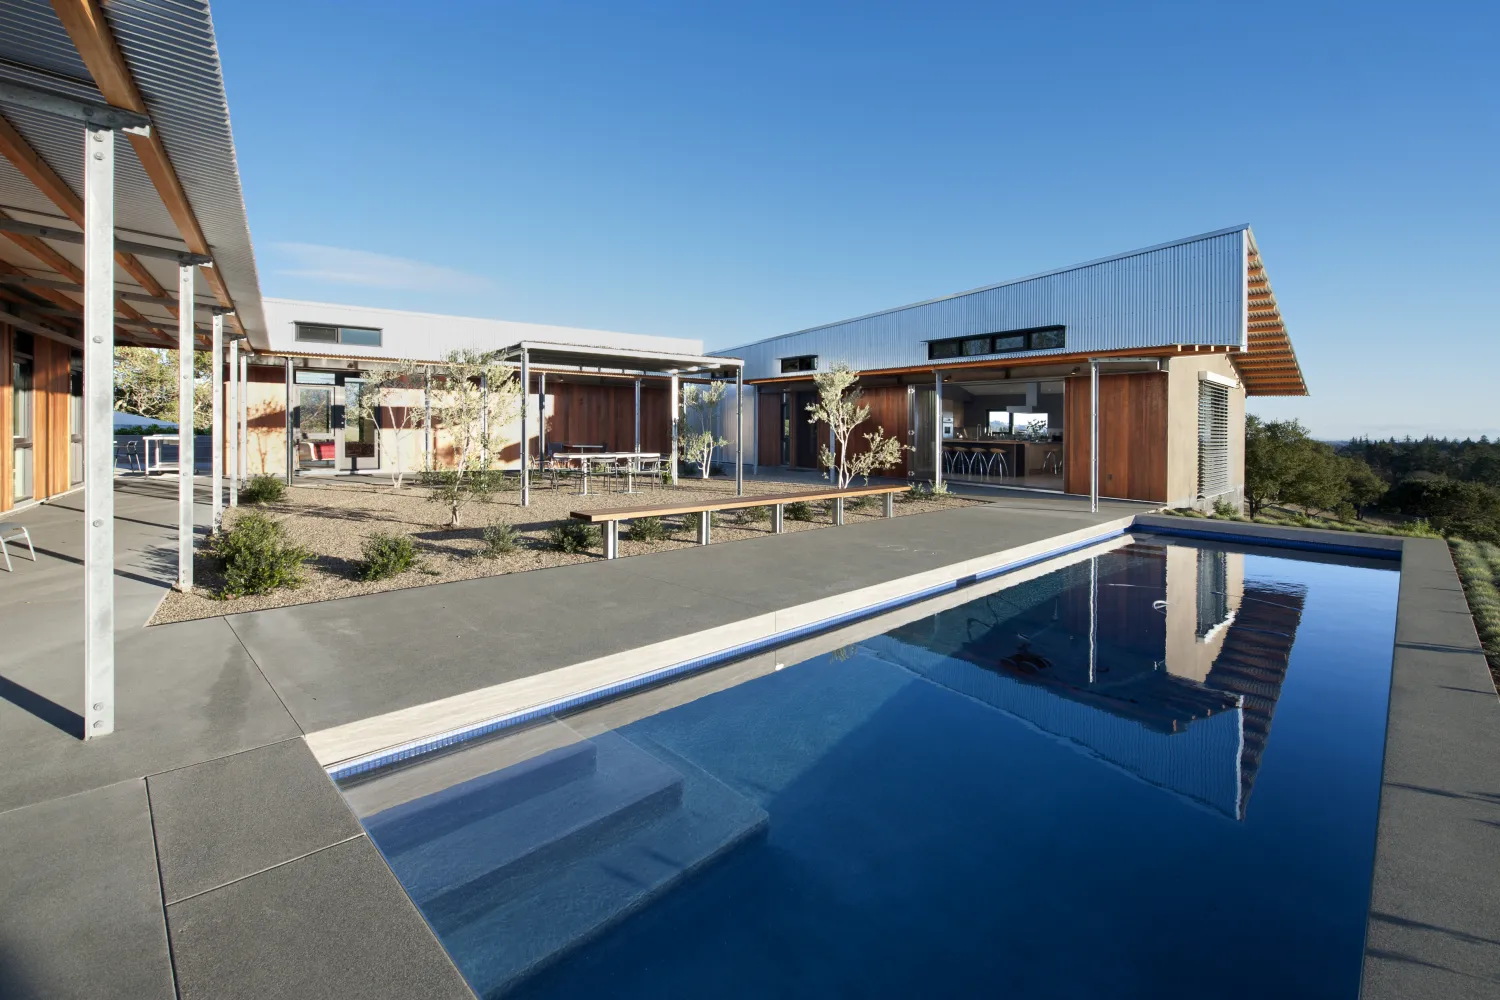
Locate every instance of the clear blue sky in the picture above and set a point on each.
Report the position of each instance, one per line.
(733, 172)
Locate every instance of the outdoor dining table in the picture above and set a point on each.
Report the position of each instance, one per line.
(159, 465)
(585, 458)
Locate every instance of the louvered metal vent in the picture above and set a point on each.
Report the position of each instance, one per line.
(1213, 439)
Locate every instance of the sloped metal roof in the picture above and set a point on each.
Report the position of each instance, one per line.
(170, 50)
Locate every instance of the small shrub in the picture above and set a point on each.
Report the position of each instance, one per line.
(752, 515)
(573, 536)
(858, 504)
(386, 555)
(1223, 508)
(264, 488)
(647, 529)
(940, 489)
(500, 540)
(1419, 528)
(257, 558)
(800, 510)
(916, 491)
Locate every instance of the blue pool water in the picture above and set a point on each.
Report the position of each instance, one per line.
(1148, 772)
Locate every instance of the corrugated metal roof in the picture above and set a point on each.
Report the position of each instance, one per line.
(1188, 291)
(170, 48)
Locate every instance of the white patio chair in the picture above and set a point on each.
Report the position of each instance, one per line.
(9, 530)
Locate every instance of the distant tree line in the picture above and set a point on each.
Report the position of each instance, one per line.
(1452, 485)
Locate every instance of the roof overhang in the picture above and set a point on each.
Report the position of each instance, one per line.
(620, 359)
(1268, 365)
(178, 200)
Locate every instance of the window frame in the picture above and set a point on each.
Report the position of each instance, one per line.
(799, 363)
(963, 348)
(338, 334)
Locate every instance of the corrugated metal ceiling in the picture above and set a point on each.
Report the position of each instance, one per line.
(170, 48)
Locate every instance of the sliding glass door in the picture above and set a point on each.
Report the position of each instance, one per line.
(23, 418)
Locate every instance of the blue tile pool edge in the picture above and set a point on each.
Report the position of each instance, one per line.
(442, 741)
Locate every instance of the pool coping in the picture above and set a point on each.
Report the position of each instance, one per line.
(371, 743)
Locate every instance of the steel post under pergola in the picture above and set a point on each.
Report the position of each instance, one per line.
(291, 449)
(232, 462)
(937, 430)
(98, 438)
(672, 409)
(1094, 436)
(637, 414)
(739, 432)
(525, 450)
(244, 448)
(185, 345)
(541, 418)
(216, 424)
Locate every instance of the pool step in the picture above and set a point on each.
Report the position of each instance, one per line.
(538, 824)
(404, 826)
(505, 933)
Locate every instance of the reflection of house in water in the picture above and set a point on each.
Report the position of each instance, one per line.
(1164, 661)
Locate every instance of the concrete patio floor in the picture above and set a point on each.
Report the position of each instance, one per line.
(200, 851)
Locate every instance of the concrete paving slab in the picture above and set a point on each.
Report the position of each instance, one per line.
(480, 633)
(229, 818)
(1434, 927)
(341, 661)
(181, 698)
(333, 925)
(80, 903)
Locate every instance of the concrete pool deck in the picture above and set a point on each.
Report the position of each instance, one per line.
(202, 852)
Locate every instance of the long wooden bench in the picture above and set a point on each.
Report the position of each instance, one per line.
(611, 519)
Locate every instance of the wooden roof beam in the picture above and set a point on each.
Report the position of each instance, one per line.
(15, 148)
(85, 23)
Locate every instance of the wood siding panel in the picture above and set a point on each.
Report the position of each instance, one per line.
(889, 411)
(50, 407)
(768, 429)
(1132, 436)
(6, 500)
(605, 414)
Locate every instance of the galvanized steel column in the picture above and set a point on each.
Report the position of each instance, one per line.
(1094, 436)
(525, 448)
(541, 418)
(427, 417)
(185, 306)
(937, 431)
(216, 423)
(291, 448)
(672, 407)
(637, 415)
(484, 419)
(244, 447)
(98, 435)
(233, 463)
(739, 432)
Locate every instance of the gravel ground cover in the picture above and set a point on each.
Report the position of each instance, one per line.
(332, 518)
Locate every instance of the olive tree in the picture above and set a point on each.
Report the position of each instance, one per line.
(475, 400)
(840, 406)
(700, 404)
(382, 390)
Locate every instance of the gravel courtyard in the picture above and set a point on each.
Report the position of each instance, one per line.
(333, 517)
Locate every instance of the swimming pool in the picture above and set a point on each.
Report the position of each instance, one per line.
(1148, 768)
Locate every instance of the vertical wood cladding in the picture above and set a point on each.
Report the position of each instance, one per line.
(889, 411)
(6, 500)
(579, 413)
(52, 367)
(768, 429)
(1132, 436)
